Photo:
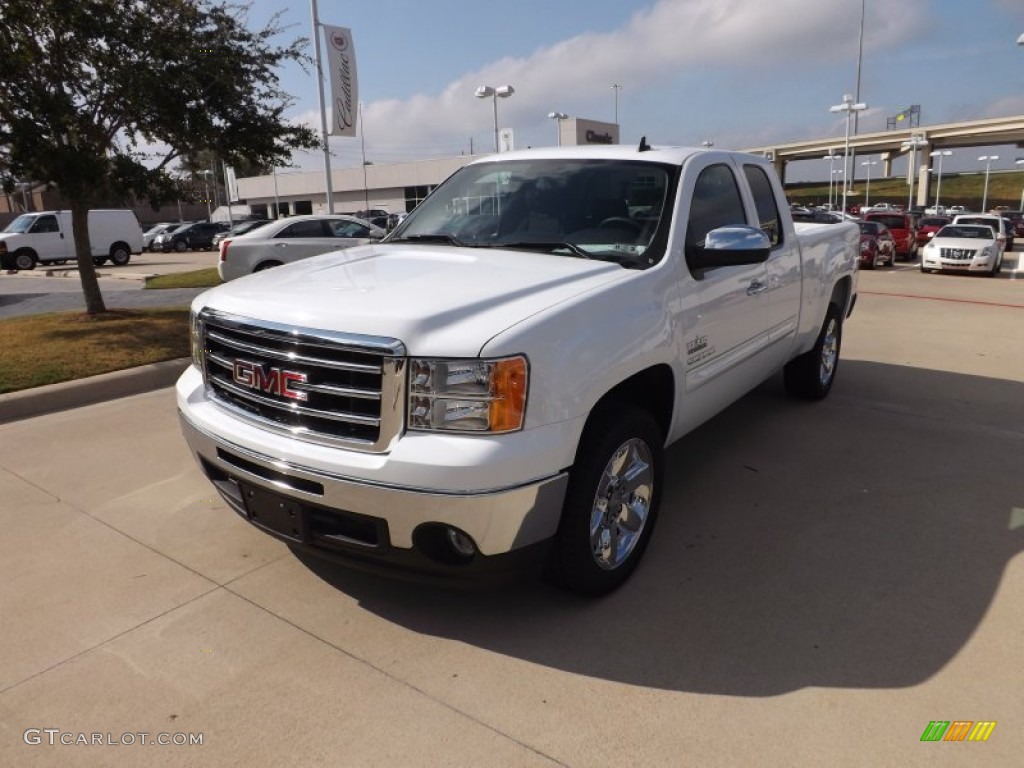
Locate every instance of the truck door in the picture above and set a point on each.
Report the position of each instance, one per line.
(785, 279)
(49, 241)
(725, 328)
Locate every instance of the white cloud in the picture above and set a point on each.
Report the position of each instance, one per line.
(757, 52)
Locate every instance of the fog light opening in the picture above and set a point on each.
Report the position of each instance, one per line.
(461, 543)
(444, 544)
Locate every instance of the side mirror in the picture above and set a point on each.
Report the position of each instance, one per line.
(728, 247)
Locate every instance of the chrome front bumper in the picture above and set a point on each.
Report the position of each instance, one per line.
(381, 523)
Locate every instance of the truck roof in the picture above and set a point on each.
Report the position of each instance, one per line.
(657, 154)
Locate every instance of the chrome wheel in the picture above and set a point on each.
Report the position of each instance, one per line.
(621, 504)
(829, 352)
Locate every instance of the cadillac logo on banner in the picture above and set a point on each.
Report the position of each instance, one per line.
(341, 67)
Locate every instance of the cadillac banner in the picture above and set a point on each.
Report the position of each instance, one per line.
(341, 70)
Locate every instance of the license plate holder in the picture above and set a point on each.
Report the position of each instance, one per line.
(274, 513)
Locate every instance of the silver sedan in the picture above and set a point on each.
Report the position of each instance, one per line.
(291, 239)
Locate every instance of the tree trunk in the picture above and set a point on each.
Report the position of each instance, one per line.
(83, 256)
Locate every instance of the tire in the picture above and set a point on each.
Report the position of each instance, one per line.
(997, 266)
(24, 259)
(120, 254)
(266, 265)
(810, 376)
(180, 246)
(611, 503)
(98, 262)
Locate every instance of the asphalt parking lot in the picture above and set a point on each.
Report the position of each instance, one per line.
(826, 580)
(57, 288)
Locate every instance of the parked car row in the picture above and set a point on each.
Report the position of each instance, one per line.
(190, 236)
(287, 240)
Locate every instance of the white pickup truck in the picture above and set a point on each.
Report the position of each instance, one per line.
(497, 380)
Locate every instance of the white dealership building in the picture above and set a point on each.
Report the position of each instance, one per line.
(395, 187)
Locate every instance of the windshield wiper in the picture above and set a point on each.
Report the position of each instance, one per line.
(541, 245)
(438, 238)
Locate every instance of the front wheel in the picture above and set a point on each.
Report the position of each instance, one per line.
(611, 503)
(180, 246)
(24, 259)
(810, 375)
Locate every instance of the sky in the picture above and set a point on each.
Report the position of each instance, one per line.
(739, 73)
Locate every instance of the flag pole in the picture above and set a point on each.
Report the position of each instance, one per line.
(323, 110)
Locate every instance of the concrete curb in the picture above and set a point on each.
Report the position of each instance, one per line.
(73, 272)
(15, 406)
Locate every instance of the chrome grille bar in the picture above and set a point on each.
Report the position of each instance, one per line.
(319, 386)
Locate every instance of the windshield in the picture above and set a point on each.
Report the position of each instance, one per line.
(966, 231)
(609, 210)
(21, 224)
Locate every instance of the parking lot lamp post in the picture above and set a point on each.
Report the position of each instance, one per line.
(849, 107)
(492, 92)
(1020, 161)
(558, 117)
(867, 188)
(831, 157)
(206, 183)
(987, 160)
(939, 153)
(839, 173)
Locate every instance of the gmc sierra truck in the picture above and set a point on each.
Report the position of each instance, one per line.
(496, 381)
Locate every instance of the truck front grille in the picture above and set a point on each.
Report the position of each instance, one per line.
(320, 386)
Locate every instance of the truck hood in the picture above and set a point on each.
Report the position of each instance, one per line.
(437, 300)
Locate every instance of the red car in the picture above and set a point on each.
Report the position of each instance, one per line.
(928, 225)
(877, 245)
(903, 228)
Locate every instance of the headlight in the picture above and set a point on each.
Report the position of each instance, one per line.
(468, 395)
(195, 332)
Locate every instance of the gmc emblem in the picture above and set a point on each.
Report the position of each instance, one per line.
(273, 381)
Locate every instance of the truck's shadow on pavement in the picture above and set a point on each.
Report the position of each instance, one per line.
(857, 542)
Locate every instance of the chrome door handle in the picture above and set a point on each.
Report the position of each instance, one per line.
(756, 287)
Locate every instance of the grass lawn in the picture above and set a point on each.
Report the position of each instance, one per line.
(200, 278)
(62, 346)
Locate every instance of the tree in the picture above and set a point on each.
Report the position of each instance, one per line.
(97, 97)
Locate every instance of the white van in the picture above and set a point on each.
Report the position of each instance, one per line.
(47, 237)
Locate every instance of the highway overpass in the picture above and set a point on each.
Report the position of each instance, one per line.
(891, 144)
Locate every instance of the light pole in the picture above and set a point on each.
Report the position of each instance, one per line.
(616, 87)
(849, 107)
(831, 157)
(939, 153)
(558, 117)
(837, 172)
(915, 143)
(867, 189)
(987, 160)
(1020, 161)
(492, 92)
(206, 182)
